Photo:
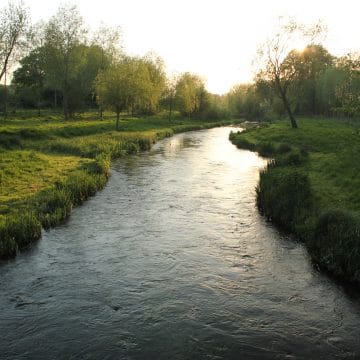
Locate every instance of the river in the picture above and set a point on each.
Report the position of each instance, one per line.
(173, 261)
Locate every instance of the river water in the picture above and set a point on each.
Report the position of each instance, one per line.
(172, 261)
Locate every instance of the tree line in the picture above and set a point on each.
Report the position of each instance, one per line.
(61, 64)
(290, 82)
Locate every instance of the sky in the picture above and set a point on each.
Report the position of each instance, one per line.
(216, 39)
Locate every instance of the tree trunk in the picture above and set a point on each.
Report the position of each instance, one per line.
(101, 113)
(283, 97)
(6, 96)
(117, 120)
(65, 106)
(39, 104)
(290, 113)
(170, 110)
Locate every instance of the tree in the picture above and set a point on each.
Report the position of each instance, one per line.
(14, 21)
(169, 94)
(348, 93)
(312, 62)
(280, 64)
(154, 81)
(122, 86)
(31, 74)
(109, 41)
(63, 35)
(188, 90)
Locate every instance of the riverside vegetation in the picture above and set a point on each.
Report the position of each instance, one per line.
(311, 187)
(49, 165)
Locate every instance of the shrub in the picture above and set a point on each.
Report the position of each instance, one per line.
(283, 148)
(266, 149)
(285, 197)
(293, 158)
(336, 244)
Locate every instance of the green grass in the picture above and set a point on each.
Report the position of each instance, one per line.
(48, 165)
(323, 156)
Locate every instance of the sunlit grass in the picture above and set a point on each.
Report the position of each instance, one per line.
(24, 172)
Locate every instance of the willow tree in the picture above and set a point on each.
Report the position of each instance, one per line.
(109, 41)
(63, 34)
(189, 88)
(278, 60)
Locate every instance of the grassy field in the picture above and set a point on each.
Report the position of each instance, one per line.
(312, 187)
(48, 165)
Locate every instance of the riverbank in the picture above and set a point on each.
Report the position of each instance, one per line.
(312, 187)
(48, 166)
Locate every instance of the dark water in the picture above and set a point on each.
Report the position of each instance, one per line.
(172, 261)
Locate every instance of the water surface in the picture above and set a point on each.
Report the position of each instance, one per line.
(172, 261)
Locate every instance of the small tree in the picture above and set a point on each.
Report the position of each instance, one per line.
(110, 89)
(63, 35)
(31, 74)
(188, 93)
(122, 86)
(109, 41)
(279, 63)
(14, 20)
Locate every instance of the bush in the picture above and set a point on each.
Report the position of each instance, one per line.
(283, 148)
(266, 149)
(293, 158)
(285, 197)
(336, 244)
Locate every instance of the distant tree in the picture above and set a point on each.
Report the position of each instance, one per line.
(280, 63)
(63, 35)
(109, 40)
(154, 82)
(327, 86)
(31, 74)
(311, 63)
(123, 85)
(348, 93)
(169, 94)
(14, 25)
(188, 90)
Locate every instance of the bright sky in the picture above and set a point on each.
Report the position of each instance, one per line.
(216, 39)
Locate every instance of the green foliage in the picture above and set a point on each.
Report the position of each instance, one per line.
(190, 93)
(285, 196)
(336, 244)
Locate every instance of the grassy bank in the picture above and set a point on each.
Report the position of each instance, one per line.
(48, 166)
(312, 187)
